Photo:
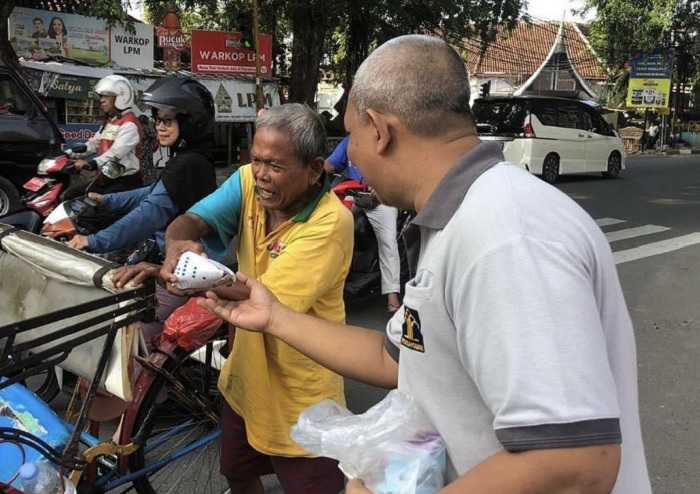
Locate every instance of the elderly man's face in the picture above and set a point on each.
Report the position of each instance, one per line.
(282, 181)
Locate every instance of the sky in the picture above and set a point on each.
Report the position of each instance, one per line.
(553, 9)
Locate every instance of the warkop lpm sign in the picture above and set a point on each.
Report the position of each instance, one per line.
(132, 49)
(217, 52)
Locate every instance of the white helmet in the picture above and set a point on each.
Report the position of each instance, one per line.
(118, 86)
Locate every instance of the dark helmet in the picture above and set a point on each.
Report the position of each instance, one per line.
(189, 100)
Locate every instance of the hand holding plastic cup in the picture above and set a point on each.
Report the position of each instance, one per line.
(195, 272)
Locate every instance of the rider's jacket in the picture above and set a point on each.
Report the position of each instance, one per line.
(121, 137)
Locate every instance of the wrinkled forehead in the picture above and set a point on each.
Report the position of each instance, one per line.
(273, 143)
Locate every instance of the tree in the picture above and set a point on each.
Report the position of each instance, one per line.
(624, 27)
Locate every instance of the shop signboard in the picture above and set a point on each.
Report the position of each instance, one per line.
(650, 80)
(134, 50)
(170, 38)
(234, 100)
(40, 34)
(78, 133)
(218, 52)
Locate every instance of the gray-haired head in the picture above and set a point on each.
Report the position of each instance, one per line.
(418, 78)
(302, 124)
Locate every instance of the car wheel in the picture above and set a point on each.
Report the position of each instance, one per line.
(614, 165)
(550, 169)
(9, 197)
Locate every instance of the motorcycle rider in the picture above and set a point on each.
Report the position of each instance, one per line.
(383, 220)
(119, 140)
(183, 110)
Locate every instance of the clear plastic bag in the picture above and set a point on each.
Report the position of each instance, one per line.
(393, 448)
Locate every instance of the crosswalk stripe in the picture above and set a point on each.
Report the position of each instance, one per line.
(608, 221)
(638, 231)
(656, 248)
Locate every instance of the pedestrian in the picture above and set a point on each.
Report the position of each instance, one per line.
(514, 336)
(294, 235)
(383, 219)
(653, 133)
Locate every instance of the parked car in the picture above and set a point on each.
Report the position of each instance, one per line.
(551, 136)
(27, 135)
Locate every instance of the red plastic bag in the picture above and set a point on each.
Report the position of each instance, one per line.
(190, 325)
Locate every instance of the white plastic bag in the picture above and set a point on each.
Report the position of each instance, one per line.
(393, 448)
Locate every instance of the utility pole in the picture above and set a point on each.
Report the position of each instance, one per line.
(259, 94)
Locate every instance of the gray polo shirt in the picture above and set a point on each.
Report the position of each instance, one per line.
(514, 332)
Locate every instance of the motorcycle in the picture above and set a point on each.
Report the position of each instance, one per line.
(364, 278)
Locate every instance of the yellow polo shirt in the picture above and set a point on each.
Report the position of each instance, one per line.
(304, 263)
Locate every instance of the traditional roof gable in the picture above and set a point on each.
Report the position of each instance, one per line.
(523, 51)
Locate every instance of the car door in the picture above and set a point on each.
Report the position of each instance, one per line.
(571, 138)
(26, 134)
(599, 141)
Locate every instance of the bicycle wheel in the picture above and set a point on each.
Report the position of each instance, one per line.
(178, 423)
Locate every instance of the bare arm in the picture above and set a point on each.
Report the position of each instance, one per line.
(351, 351)
(588, 470)
(585, 470)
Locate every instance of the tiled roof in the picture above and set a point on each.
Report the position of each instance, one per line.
(521, 52)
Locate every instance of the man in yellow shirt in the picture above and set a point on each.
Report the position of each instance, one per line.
(296, 237)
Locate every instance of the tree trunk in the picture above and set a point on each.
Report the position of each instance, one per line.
(309, 29)
(358, 35)
(7, 53)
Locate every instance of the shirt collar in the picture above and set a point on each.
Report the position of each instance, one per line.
(304, 215)
(450, 192)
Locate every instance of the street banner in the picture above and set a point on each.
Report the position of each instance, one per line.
(234, 100)
(650, 80)
(132, 50)
(171, 40)
(218, 52)
(78, 133)
(40, 34)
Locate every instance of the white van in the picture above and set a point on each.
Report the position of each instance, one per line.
(551, 136)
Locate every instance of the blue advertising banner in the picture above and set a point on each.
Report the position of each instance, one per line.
(78, 133)
(653, 65)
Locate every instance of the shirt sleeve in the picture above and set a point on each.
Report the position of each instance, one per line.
(221, 210)
(339, 156)
(125, 142)
(529, 335)
(93, 143)
(309, 266)
(153, 214)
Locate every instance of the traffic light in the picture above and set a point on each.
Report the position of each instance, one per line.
(245, 26)
(485, 89)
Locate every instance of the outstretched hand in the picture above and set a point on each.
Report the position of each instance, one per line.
(356, 487)
(256, 313)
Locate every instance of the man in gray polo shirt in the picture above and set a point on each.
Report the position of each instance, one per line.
(514, 336)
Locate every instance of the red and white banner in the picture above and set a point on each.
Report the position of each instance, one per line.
(218, 52)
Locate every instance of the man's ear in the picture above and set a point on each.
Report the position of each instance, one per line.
(382, 125)
(316, 170)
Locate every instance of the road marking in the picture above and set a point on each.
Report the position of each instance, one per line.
(608, 221)
(638, 231)
(656, 248)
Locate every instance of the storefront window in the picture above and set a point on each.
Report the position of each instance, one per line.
(83, 111)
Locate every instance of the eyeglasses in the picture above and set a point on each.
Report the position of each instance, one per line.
(167, 122)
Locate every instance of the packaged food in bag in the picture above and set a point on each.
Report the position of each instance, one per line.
(393, 448)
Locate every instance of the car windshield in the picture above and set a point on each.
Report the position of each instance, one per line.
(499, 117)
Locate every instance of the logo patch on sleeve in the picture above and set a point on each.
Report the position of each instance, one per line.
(412, 337)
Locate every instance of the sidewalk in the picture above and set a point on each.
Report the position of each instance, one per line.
(666, 152)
